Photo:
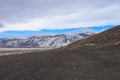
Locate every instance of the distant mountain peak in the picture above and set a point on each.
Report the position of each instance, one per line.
(43, 41)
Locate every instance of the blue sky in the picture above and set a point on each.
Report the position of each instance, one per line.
(59, 31)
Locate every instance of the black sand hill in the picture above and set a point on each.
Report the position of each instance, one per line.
(94, 58)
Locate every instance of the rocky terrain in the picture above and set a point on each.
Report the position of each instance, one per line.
(85, 59)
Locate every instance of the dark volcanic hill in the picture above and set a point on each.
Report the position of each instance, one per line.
(109, 38)
(93, 58)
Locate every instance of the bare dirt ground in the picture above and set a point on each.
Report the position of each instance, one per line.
(85, 64)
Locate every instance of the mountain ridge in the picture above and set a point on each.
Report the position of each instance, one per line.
(109, 37)
(43, 41)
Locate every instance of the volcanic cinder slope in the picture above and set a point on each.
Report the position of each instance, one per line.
(93, 58)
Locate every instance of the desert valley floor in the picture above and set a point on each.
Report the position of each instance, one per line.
(101, 64)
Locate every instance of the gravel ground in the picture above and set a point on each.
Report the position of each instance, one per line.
(60, 64)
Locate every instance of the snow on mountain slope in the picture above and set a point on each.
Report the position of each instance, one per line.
(42, 41)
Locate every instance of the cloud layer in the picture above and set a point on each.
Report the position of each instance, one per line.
(34, 15)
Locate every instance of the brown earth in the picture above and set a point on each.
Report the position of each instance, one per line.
(108, 38)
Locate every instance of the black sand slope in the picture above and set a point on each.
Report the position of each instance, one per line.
(65, 64)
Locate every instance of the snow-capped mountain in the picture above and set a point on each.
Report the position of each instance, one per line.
(42, 41)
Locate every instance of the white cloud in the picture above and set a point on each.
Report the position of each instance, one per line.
(83, 17)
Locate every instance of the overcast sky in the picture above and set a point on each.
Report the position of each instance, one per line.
(34, 15)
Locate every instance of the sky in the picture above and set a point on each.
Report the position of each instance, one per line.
(69, 31)
(39, 15)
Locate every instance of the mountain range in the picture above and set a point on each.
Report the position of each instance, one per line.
(43, 41)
